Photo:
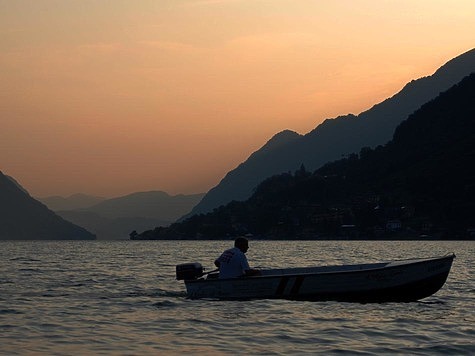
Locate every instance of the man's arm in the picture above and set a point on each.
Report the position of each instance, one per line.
(248, 271)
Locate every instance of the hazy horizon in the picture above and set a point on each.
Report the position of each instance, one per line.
(111, 98)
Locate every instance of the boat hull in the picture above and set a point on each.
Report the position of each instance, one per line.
(402, 281)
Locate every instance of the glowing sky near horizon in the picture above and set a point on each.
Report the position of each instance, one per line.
(113, 97)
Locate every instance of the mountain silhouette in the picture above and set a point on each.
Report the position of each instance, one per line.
(334, 138)
(24, 218)
(116, 218)
(420, 183)
(75, 201)
(106, 228)
(153, 204)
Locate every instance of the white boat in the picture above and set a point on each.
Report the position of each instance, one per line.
(395, 281)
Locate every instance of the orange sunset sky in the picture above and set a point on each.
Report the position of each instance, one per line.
(113, 97)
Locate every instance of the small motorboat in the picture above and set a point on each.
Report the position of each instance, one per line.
(395, 281)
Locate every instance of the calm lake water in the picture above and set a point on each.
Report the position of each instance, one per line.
(121, 297)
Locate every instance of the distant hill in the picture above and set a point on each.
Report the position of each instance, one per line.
(75, 201)
(111, 228)
(419, 185)
(334, 138)
(24, 218)
(116, 218)
(153, 204)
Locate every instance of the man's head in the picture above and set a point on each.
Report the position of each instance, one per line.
(242, 244)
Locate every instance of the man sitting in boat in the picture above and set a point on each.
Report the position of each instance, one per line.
(233, 262)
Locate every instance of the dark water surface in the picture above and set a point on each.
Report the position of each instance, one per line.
(121, 297)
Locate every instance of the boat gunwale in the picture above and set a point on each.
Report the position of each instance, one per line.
(386, 267)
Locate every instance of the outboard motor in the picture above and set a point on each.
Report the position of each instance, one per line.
(189, 271)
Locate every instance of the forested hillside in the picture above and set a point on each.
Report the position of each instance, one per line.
(419, 185)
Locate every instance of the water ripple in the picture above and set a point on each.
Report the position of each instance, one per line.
(122, 298)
